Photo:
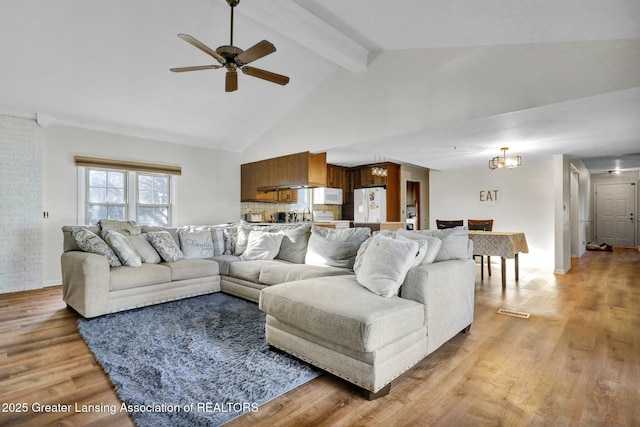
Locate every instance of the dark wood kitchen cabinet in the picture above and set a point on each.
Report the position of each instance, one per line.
(275, 180)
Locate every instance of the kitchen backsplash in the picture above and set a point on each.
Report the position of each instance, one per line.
(270, 209)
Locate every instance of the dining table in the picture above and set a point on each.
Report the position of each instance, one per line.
(505, 244)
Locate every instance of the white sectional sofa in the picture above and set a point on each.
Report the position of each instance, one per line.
(323, 303)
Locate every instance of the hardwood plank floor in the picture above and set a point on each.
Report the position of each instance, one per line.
(575, 361)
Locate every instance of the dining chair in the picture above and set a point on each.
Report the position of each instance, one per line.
(482, 225)
(441, 224)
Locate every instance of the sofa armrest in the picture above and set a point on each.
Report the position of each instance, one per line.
(446, 289)
(85, 282)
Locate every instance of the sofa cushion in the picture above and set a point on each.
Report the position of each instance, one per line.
(250, 270)
(262, 245)
(192, 268)
(274, 274)
(89, 241)
(385, 263)
(225, 261)
(338, 309)
(335, 248)
(123, 249)
(131, 277)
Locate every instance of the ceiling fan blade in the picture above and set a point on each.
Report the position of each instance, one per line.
(231, 81)
(203, 47)
(197, 68)
(266, 75)
(256, 51)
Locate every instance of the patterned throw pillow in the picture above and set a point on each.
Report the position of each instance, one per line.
(120, 245)
(166, 246)
(91, 242)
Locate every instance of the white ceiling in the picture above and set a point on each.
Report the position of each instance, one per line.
(105, 65)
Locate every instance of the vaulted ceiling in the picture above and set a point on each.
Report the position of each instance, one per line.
(437, 84)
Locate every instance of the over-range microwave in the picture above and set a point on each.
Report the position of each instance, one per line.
(327, 196)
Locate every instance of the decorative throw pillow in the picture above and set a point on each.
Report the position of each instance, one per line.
(242, 237)
(262, 245)
(91, 242)
(120, 245)
(217, 234)
(230, 238)
(142, 246)
(197, 243)
(335, 247)
(124, 227)
(432, 248)
(294, 243)
(454, 242)
(166, 246)
(417, 260)
(385, 264)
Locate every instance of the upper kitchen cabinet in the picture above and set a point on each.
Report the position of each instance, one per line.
(281, 173)
(336, 176)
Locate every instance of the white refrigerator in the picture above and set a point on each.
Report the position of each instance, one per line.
(370, 204)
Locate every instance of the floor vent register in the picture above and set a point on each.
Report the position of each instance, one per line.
(513, 313)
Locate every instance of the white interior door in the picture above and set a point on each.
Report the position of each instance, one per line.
(615, 214)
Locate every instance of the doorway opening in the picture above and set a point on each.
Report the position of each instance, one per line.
(412, 208)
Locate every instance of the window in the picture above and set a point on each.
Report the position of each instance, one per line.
(106, 195)
(304, 201)
(144, 197)
(154, 195)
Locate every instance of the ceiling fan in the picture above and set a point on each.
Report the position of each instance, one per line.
(233, 58)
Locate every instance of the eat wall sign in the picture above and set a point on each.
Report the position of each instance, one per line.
(489, 196)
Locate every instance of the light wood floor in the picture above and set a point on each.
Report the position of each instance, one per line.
(575, 362)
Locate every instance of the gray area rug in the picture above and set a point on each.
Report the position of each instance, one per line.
(195, 362)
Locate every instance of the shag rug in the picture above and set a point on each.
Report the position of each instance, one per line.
(195, 362)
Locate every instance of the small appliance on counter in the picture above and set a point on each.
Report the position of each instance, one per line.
(327, 216)
(254, 217)
(281, 217)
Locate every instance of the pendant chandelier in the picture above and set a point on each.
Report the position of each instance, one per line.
(378, 171)
(503, 161)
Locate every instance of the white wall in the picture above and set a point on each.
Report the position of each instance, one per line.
(525, 203)
(208, 191)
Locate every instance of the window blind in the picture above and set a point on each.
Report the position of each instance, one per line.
(95, 162)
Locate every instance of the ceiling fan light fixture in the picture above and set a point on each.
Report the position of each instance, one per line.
(503, 161)
(233, 58)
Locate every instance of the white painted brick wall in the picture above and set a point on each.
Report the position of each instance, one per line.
(20, 204)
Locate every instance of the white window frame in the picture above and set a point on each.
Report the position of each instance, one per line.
(132, 195)
(137, 195)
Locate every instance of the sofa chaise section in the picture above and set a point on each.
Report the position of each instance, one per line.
(369, 340)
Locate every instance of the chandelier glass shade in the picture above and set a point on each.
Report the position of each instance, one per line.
(378, 171)
(505, 161)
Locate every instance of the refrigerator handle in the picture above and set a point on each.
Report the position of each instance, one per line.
(366, 205)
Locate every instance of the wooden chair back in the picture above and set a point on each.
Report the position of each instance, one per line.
(448, 223)
(480, 224)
